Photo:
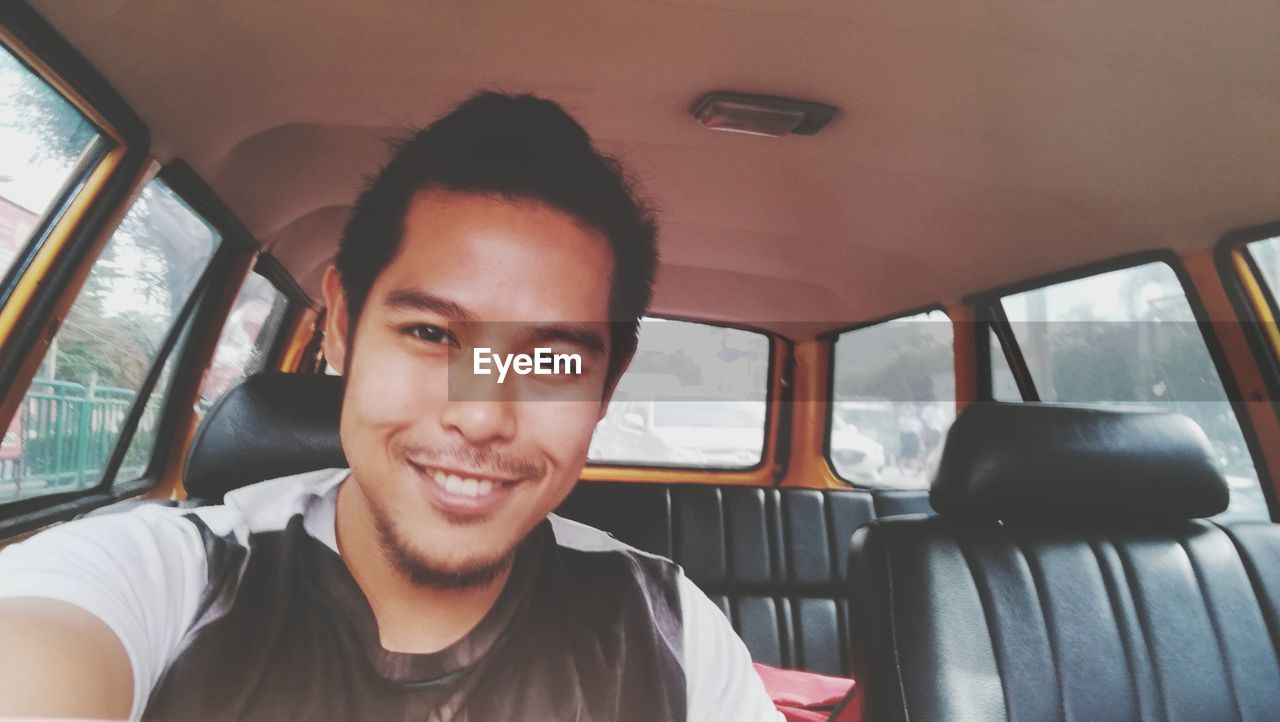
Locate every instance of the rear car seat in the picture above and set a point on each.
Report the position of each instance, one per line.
(1069, 575)
(773, 559)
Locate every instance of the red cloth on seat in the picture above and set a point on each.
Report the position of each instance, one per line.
(805, 696)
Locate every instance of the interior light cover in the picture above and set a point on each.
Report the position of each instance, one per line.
(763, 115)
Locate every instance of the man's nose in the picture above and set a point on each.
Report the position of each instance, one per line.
(480, 422)
(479, 409)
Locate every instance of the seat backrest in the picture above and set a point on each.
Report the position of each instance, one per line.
(1067, 577)
(267, 426)
(773, 559)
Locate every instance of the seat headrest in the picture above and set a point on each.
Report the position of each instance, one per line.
(1069, 465)
(266, 426)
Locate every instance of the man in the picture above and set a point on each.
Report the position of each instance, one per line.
(428, 581)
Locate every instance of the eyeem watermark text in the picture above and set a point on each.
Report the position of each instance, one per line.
(541, 363)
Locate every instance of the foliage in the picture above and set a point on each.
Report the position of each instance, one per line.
(893, 361)
(41, 112)
(676, 363)
(149, 262)
(1156, 356)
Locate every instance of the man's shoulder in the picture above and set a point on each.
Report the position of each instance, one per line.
(575, 535)
(262, 507)
(596, 558)
(269, 505)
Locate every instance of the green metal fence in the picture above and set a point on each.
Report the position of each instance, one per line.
(68, 432)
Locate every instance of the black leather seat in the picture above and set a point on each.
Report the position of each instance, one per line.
(773, 559)
(265, 427)
(1068, 575)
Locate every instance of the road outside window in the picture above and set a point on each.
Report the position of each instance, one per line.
(893, 401)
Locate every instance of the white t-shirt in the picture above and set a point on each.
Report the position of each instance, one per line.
(246, 610)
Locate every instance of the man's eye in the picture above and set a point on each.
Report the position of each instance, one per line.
(429, 334)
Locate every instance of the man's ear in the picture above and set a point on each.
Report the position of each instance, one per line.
(335, 321)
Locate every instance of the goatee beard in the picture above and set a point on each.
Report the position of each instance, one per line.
(472, 573)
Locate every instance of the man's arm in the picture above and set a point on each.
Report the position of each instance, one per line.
(58, 660)
(91, 612)
(722, 684)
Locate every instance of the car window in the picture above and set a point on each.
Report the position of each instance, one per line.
(694, 396)
(893, 400)
(1266, 256)
(1129, 338)
(250, 329)
(137, 458)
(1004, 387)
(72, 415)
(42, 138)
(674, 414)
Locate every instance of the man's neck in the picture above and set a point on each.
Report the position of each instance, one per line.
(411, 618)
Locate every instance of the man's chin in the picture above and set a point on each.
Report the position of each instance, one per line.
(469, 574)
(422, 569)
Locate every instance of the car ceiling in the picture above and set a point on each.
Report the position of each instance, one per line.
(979, 142)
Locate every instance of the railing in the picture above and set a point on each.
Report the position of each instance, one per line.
(68, 432)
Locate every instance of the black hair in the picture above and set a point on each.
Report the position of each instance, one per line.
(519, 147)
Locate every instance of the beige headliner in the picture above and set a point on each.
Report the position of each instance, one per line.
(980, 143)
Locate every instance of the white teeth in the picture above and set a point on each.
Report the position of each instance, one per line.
(463, 486)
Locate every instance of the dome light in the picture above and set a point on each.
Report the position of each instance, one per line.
(761, 114)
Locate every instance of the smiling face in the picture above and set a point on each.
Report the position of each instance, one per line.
(453, 470)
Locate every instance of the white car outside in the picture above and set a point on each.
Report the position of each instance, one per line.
(854, 456)
(725, 434)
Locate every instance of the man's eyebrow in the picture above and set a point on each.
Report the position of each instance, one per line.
(418, 300)
(576, 334)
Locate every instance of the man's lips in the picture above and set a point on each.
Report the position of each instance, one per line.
(463, 492)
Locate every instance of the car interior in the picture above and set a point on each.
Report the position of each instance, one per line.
(1000, 335)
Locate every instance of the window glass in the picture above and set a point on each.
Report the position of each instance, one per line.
(1004, 387)
(893, 401)
(1266, 255)
(1129, 338)
(694, 396)
(138, 456)
(246, 337)
(71, 417)
(42, 137)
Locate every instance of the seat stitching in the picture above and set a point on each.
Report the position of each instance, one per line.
(842, 625)
(676, 537)
(726, 538)
(1212, 612)
(1255, 580)
(797, 633)
(984, 598)
(833, 554)
(1118, 614)
(772, 520)
(776, 528)
(833, 571)
(669, 507)
(893, 629)
(1136, 592)
(1037, 578)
